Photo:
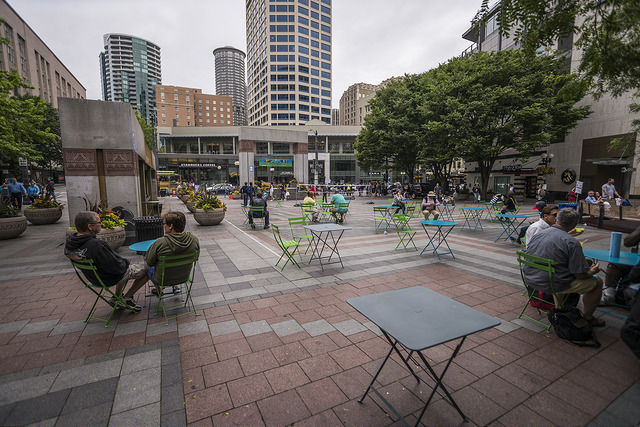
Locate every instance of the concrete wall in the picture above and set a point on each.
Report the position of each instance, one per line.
(104, 150)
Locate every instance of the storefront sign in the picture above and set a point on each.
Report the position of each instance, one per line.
(198, 165)
(276, 163)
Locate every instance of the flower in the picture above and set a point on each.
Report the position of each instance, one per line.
(545, 170)
(44, 203)
(210, 201)
(233, 175)
(110, 220)
(194, 197)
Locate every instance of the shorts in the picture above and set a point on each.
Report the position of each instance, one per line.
(581, 286)
(135, 271)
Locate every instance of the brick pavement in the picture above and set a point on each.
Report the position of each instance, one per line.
(284, 348)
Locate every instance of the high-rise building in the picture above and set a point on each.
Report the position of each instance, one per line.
(348, 103)
(36, 64)
(130, 69)
(186, 106)
(230, 80)
(335, 117)
(288, 61)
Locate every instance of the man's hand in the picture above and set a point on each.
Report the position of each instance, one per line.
(594, 269)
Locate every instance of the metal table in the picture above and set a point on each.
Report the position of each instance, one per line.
(141, 248)
(510, 224)
(413, 320)
(324, 234)
(390, 213)
(439, 236)
(446, 211)
(472, 218)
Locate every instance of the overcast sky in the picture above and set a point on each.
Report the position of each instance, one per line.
(372, 39)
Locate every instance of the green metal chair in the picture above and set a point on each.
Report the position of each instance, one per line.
(380, 217)
(259, 211)
(285, 245)
(341, 212)
(100, 289)
(410, 211)
(545, 265)
(307, 212)
(300, 221)
(167, 262)
(404, 231)
(245, 211)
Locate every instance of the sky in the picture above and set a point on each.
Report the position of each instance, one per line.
(372, 39)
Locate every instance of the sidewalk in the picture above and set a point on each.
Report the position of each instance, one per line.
(274, 348)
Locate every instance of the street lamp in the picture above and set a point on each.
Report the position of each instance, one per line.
(315, 161)
(270, 171)
(546, 161)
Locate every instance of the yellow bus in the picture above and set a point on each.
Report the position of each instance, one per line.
(168, 181)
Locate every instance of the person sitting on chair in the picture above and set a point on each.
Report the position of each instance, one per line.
(309, 205)
(572, 272)
(337, 199)
(175, 241)
(429, 204)
(509, 203)
(398, 200)
(112, 268)
(258, 201)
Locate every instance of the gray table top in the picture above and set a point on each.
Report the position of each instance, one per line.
(420, 318)
(320, 228)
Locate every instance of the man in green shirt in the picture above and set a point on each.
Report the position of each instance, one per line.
(339, 206)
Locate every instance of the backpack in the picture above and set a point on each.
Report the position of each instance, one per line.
(564, 323)
(547, 303)
(630, 331)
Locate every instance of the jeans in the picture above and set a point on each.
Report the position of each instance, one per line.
(266, 218)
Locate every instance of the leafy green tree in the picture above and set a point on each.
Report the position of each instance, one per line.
(146, 129)
(49, 149)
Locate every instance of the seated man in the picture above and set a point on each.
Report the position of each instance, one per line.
(429, 204)
(337, 199)
(572, 272)
(309, 205)
(112, 268)
(548, 215)
(509, 203)
(616, 272)
(258, 201)
(174, 242)
(398, 200)
(596, 200)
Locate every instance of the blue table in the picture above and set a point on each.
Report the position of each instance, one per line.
(446, 211)
(141, 248)
(472, 218)
(390, 212)
(510, 224)
(625, 258)
(439, 236)
(413, 320)
(324, 239)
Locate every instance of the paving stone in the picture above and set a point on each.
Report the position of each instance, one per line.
(287, 327)
(130, 328)
(136, 390)
(34, 328)
(50, 422)
(144, 348)
(27, 388)
(97, 358)
(95, 327)
(146, 416)
(506, 326)
(90, 395)
(68, 327)
(37, 408)
(223, 328)
(172, 398)
(97, 416)
(174, 419)
(87, 374)
(529, 324)
(160, 328)
(13, 326)
(171, 374)
(255, 328)
(349, 327)
(192, 328)
(318, 327)
(141, 361)
(170, 355)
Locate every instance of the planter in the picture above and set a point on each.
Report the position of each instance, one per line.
(191, 206)
(12, 227)
(43, 216)
(114, 238)
(210, 217)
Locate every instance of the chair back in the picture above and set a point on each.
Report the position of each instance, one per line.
(87, 265)
(401, 222)
(343, 207)
(410, 210)
(276, 235)
(379, 211)
(257, 210)
(536, 262)
(167, 262)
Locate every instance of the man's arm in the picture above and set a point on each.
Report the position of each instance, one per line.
(633, 238)
(594, 269)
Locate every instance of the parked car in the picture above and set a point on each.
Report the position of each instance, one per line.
(221, 189)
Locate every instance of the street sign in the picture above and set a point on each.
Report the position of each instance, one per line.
(579, 187)
(22, 162)
(250, 168)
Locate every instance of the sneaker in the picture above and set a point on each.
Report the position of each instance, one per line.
(266, 227)
(131, 304)
(606, 300)
(253, 226)
(597, 322)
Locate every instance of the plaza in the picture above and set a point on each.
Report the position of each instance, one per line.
(281, 348)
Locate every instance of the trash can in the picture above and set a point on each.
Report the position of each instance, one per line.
(148, 228)
(568, 205)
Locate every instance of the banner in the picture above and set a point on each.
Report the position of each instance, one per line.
(276, 163)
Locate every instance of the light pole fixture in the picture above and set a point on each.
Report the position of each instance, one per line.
(546, 161)
(315, 160)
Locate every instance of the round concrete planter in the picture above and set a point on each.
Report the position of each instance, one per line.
(43, 216)
(114, 238)
(191, 206)
(12, 227)
(210, 217)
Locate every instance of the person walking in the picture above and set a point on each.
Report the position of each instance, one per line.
(51, 189)
(16, 191)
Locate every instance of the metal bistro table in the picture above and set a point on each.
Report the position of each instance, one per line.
(324, 239)
(446, 211)
(141, 248)
(472, 218)
(510, 224)
(439, 236)
(390, 212)
(413, 320)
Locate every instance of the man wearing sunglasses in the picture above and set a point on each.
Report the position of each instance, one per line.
(548, 216)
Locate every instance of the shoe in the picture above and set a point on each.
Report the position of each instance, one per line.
(131, 305)
(266, 227)
(607, 300)
(597, 323)
(253, 226)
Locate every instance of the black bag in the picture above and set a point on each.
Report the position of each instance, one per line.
(630, 331)
(564, 323)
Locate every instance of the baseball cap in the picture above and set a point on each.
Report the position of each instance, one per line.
(540, 204)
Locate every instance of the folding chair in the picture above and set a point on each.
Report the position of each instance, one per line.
(307, 213)
(410, 211)
(167, 262)
(245, 211)
(256, 210)
(309, 237)
(325, 214)
(341, 212)
(381, 218)
(116, 302)
(404, 231)
(285, 245)
(545, 265)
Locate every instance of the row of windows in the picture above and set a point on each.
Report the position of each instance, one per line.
(292, 107)
(301, 69)
(292, 77)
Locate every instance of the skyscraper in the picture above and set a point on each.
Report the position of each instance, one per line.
(230, 80)
(288, 61)
(130, 68)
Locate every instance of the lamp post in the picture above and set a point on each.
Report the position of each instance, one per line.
(315, 160)
(546, 161)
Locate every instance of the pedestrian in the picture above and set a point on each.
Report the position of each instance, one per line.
(33, 191)
(51, 189)
(477, 192)
(16, 191)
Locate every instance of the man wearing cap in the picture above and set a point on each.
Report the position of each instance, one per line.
(429, 204)
(548, 214)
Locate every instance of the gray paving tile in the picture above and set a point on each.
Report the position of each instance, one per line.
(529, 324)
(49, 422)
(349, 327)
(171, 374)
(90, 395)
(5, 410)
(160, 328)
(97, 358)
(141, 361)
(172, 398)
(144, 348)
(318, 327)
(34, 328)
(506, 326)
(146, 416)
(62, 366)
(27, 388)
(68, 327)
(95, 327)
(255, 328)
(13, 326)
(191, 328)
(130, 328)
(288, 327)
(87, 374)
(96, 416)
(223, 328)
(170, 354)
(137, 390)
(37, 408)
(174, 419)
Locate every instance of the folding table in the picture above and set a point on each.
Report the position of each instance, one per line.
(439, 236)
(510, 224)
(141, 248)
(325, 240)
(446, 211)
(472, 218)
(390, 210)
(413, 320)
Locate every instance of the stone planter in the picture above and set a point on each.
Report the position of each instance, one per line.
(43, 216)
(210, 217)
(12, 227)
(114, 238)
(191, 206)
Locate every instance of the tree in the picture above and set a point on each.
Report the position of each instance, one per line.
(50, 150)
(508, 100)
(146, 130)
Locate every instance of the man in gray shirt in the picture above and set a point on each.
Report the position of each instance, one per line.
(609, 190)
(572, 272)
